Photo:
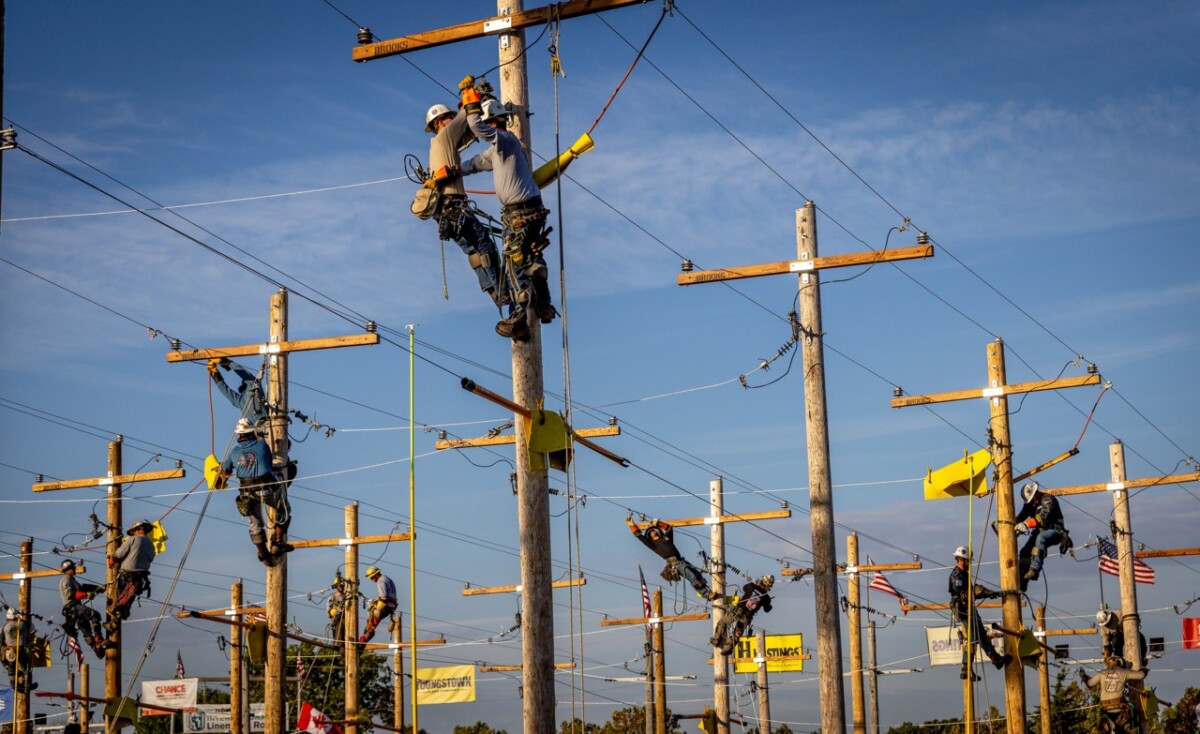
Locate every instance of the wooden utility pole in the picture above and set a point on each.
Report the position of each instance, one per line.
(716, 534)
(21, 720)
(1130, 620)
(996, 393)
(764, 698)
(855, 620)
(85, 716)
(648, 713)
(854, 572)
(112, 483)
(820, 481)
(276, 350)
(1039, 616)
(237, 702)
(873, 681)
(349, 641)
(660, 669)
(275, 670)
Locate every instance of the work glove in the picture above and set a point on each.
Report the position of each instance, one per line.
(112, 562)
(470, 96)
(441, 176)
(212, 366)
(1020, 529)
(1031, 523)
(981, 592)
(633, 528)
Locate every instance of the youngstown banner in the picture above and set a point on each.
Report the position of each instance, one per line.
(454, 684)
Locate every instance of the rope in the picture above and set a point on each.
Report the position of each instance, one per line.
(629, 71)
(1088, 422)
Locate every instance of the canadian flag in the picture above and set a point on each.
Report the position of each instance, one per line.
(315, 722)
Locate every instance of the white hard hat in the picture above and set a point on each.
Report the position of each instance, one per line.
(1029, 490)
(11, 613)
(243, 426)
(1103, 616)
(494, 109)
(962, 552)
(436, 111)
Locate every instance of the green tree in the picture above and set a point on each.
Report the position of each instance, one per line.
(1180, 718)
(1068, 707)
(478, 727)
(632, 720)
(324, 683)
(578, 726)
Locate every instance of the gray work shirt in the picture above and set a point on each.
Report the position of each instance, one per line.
(443, 151)
(135, 554)
(505, 158)
(16, 632)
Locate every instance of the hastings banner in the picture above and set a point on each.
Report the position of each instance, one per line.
(784, 654)
(455, 684)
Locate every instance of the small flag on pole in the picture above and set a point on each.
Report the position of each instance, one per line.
(645, 600)
(74, 645)
(879, 583)
(1142, 573)
(179, 672)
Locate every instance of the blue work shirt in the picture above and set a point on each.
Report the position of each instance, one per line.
(385, 588)
(248, 398)
(249, 459)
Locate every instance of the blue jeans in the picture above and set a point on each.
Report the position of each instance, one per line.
(1040, 538)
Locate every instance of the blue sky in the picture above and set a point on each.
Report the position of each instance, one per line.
(1049, 149)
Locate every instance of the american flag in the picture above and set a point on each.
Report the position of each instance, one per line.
(74, 645)
(879, 583)
(645, 600)
(1142, 573)
(179, 672)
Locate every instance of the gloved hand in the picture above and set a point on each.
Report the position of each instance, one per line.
(1020, 529)
(212, 366)
(441, 176)
(226, 364)
(470, 96)
(633, 528)
(429, 184)
(112, 562)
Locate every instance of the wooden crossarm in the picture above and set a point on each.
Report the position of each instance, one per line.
(22, 575)
(720, 519)
(227, 612)
(359, 540)
(284, 347)
(995, 392)
(485, 27)
(909, 566)
(399, 645)
(800, 266)
(796, 572)
(1060, 633)
(513, 589)
(654, 620)
(1127, 484)
(1168, 553)
(109, 481)
(508, 438)
(934, 607)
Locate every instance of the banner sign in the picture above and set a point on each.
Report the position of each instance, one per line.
(177, 693)
(454, 684)
(945, 649)
(783, 654)
(214, 718)
(6, 705)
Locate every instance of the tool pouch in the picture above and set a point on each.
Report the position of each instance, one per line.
(426, 203)
(243, 504)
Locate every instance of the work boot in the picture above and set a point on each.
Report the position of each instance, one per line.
(1001, 661)
(537, 270)
(968, 672)
(514, 327)
(716, 641)
(264, 555)
(713, 595)
(281, 545)
(1032, 574)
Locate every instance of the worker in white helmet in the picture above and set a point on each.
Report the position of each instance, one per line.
(961, 608)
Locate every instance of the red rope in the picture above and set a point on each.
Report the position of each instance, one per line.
(1089, 418)
(636, 59)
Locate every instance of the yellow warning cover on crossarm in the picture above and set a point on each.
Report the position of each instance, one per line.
(968, 475)
(546, 439)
